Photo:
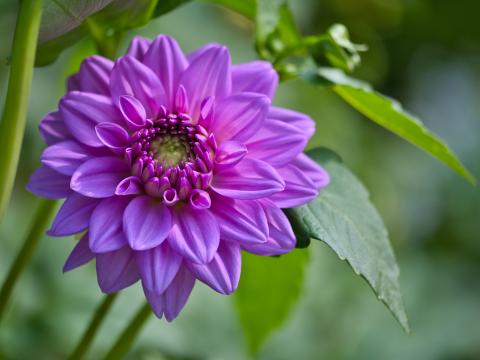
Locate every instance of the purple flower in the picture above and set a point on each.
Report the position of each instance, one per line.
(172, 165)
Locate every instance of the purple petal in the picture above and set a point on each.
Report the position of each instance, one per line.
(256, 76)
(106, 226)
(243, 221)
(116, 270)
(94, 75)
(200, 199)
(158, 267)
(112, 135)
(195, 234)
(49, 183)
(73, 216)
(207, 75)
(131, 77)
(230, 153)
(80, 255)
(172, 301)
(146, 223)
(299, 189)
(167, 60)
(138, 47)
(133, 112)
(99, 177)
(129, 186)
(65, 157)
(181, 104)
(82, 111)
(223, 272)
(52, 128)
(249, 179)
(281, 239)
(239, 116)
(312, 170)
(277, 143)
(301, 121)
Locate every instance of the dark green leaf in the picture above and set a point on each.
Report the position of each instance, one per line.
(388, 113)
(106, 24)
(343, 217)
(269, 287)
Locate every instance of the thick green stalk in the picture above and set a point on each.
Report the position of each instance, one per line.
(126, 339)
(14, 116)
(93, 327)
(40, 222)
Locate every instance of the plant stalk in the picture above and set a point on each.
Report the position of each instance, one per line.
(40, 222)
(14, 116)
(128, 336)
(89, 334)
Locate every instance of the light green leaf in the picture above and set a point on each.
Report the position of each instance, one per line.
(269, 287)
(246, 7)
(343, 217)
(387, 113)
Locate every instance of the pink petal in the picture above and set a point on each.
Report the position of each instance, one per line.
(73, 216)
(99, 177)
(65, 156)
(195, 234)
(312, 170)
(242, 221)
(277, 143)
(138, 47)
(301, 121)
(80, 255)
(256, 76)
(158, 267)
(146, 223)
(167, 60)
(207, 75)
(281, 239)
(230, 153)
(82, 111)
(49, 183)
(116, 270)
(239, 116)
(172, 301)
(94, 75)
(106, 226)
(249, 179)
(299, 189)
(112, 135)
(133, 112)
(131, 77)
(52, 128)
(223, 272)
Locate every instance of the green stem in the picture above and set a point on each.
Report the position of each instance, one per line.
(92, 329)
(40, 222)
(126, 339)
(14, 116)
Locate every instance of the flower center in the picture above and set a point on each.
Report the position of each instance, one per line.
(169, 150)
(172, 156)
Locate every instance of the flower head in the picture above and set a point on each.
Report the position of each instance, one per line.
(172, 165)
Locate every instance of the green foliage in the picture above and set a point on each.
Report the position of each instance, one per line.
(105, 20)
(268, 289)
(245, 7)
(343, 217)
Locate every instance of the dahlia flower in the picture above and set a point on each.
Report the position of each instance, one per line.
(171, 165)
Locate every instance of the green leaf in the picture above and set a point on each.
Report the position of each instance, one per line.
(105, 20)
(246, 7)
(336, 48)
(269, 287)
(343, 217)
(387, 113)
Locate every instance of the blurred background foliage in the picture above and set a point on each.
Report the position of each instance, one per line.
(425, 53)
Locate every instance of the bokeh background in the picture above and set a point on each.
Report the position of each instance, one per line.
(426, 53)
